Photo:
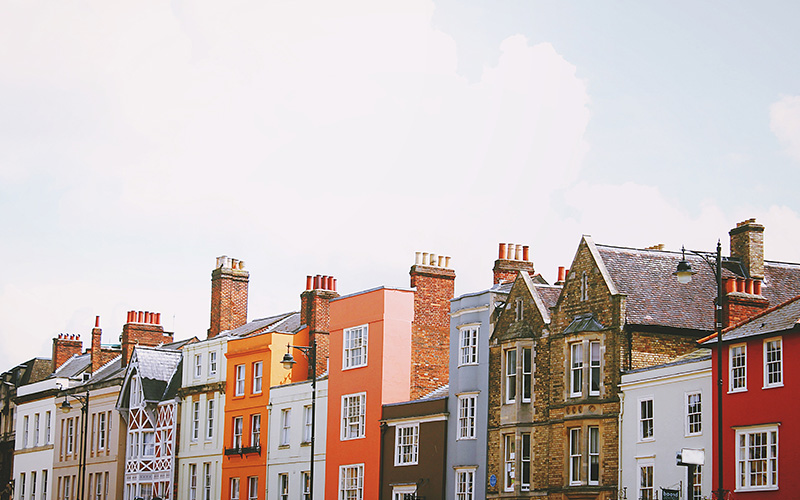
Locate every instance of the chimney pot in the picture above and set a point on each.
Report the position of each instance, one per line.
(502, 251)
(526, 253)
(740, 285)
(309, 282)
(418, 258)
(749, 286)
(757, 287)
(441, 261)
(334, 284)
(447, 262)
(509, 251)
(316, 282)
(730, 285)
(518, 254)
(433, 260)
(97, 321)
(158, 318)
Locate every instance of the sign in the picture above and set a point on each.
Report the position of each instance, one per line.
(492, 480)
(670, 494)
(689, 456)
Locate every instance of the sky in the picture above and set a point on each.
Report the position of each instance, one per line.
(141, 140)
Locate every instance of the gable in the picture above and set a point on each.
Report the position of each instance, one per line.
(523, 300)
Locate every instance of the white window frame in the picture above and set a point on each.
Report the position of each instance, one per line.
(70, 435)
(240, 380)
(47, 427)
(525, 462)
(353, 419)
(36, 422)
(192, 481)
(465, 483)
(400, 492)
(527, 374)
(734, 381)
(252, 488)
(198, 365)
(234, 488)
(148, 443)
(351, 482)
(406, 444)
(195, 420)
(745, 464)
(212, 362)
(238, 424)
(258, 372)
(207, 481)
(519, 310)
(283, 486)
(641, 487)
(355, 344)
(773, 363)
(694, 413)
(286, 427)
(25, 423)
(584, 287)
(305, 482)
(646, 422)
(307, 423)
(510, 375)
(697, 484)
(101, 431)
(576, 369)
(595, 367)
(21, 485)
(255, 430)
(575, 456)
(468, 345)
(509, 462)
(467, 416)
(210, 404)
(593, 452)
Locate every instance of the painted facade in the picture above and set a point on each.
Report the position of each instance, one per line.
(665, 409)
(289, 451)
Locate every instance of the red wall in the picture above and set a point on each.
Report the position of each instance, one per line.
(758, 406)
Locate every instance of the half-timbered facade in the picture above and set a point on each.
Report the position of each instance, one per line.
(149, 403)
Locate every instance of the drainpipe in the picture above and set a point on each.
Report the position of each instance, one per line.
(380, 471)
(619, 443)
(269, 419)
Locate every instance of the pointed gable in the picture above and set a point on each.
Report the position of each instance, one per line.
(527, 308)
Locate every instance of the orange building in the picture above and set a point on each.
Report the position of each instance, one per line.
(253, 365)
(385, 347)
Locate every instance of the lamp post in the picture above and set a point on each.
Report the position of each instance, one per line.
(684, 275)
(83, 399)
(310, 353)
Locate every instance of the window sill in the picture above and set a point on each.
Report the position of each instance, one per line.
(763, 488)
(351, 438)
(283, 446)
(353, 367)
(773, 386)
(305, 443)
(735, 391)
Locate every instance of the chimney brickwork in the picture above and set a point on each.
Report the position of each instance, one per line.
(747, 244)
(100, 356)
(229, 284)
(741, 301)
(434, 282)
(510, 261)
(142, 328)
(315, 313)
(65, 346)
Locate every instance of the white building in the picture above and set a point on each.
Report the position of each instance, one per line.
(666, 408)
(33, 450)
(202, 419)
(289, 450)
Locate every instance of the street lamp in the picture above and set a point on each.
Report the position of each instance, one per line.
(310, 352)
(83, 399)
(684, 275)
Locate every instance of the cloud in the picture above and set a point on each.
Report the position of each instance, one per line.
(785, 124)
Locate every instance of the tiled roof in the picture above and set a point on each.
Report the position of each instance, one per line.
(258, 325)
(441, 392)
(74, 366)
(290, 324)
(654, 296)
(777, 319)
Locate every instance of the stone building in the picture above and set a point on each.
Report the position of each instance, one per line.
(619, 309)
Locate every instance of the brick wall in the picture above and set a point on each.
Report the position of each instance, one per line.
(315, 313)
(651, 349)
(142, 328)
(430, 331)
(64, 347)
(747, 243)
(229, 284)
(511, 260)
(738, 307)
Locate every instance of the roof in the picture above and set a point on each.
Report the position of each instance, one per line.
(780, 318)
(654, 297)
(441, 392)
(159, 370)
(258, 325)
(74, 366)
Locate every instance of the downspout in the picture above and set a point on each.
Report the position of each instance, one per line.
(269, 419)
(380, 470)
(619, 443)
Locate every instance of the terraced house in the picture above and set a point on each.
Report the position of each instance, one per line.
(619, 309)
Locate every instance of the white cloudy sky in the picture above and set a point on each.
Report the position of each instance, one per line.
(140, 140)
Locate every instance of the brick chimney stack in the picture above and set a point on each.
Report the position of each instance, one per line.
(511, 260)
(142, 328)
(434, 284)
(315, 313)
(229, 283)
(65, 346)
(97, 351)
(747, 243)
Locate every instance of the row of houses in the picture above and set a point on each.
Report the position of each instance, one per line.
(585, 388)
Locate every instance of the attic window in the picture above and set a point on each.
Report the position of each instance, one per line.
(518, 310)
(584, 287)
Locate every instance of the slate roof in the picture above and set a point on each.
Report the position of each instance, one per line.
(441, 392)
(654, 296)
(549, 294)
(780, 318)
(74, 366)
(257, 325)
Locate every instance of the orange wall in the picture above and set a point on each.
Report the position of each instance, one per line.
(269, 349)
(385, 379)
